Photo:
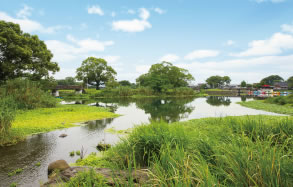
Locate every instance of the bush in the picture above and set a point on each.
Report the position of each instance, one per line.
(87, 178)
(7, 113)
(28, 94)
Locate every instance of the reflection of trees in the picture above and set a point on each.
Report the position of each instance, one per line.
(243, 98)
(98, 124)
(168, 109)
(218, 100)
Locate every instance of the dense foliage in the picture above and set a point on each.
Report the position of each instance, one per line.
(243, 84)
(23, 55)
(95, 71)
(7, 114)
(270, 80)
(290, 82)
(231, 151)
(281, 100)
(218, 81)
(68, 81)
(163, 76)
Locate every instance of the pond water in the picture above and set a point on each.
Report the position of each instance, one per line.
(48, 147)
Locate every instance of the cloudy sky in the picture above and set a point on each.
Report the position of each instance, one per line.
(244, 39)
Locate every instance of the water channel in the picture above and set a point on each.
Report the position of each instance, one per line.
(48, 147)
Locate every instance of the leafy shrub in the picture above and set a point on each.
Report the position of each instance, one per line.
(87, 178)
(7, 113)
(28, 95)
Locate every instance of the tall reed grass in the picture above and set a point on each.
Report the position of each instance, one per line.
(231, 151)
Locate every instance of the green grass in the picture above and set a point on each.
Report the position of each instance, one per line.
(15, 172)
(262, 105)
(48, 119)
(230, 151)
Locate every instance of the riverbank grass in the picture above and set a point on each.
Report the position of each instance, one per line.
(48, 119)
(230, 151)
(262, 105)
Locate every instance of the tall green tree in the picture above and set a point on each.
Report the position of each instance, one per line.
(290, 82)
(243, 84)
(95, 71)
(23, 55)
(218, 81)
(67, 81)
(164, 76)
(270, 80)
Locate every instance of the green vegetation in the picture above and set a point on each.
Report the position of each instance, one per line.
(72, 153)
(164, 76)
(14, 184)
(95, 71)
(87, 178)
(270, 80)
(15, 172)
(271, 105)
(124, 91)
(23, 55)
(230, 151)
(281, 100)
(290, 82)
(77, 153)
(218, 81)
(48, 119)
(38, 164)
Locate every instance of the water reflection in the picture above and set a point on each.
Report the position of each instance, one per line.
(218, 100)
(168, 109)
(48, 147)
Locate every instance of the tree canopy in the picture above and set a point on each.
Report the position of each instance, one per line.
(270, 80)
(95, 71)
(290, 82)
(218, 81)
(67, 81)
(23, 55)
(243, 84)
(164, 76)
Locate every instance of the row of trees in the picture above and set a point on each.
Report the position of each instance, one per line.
(24, 55)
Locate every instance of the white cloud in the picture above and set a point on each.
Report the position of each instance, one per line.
(169, 58)
(141, 69)
(251, 70)
(144, 14)
(275, 45)
(28, 25)
(230, 43)
(76, 50)
(131, 25)
(197, 54)
(159, 11)
(25, 12)
(287, 28)
(273, 1)
(95, 9)
(111, 59)
(135, 25)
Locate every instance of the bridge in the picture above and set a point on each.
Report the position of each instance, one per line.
(78, 89)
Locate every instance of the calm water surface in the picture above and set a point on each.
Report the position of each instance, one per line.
(48, 147)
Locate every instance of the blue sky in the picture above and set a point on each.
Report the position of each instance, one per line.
(244, 39)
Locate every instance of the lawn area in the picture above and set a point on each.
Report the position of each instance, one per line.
(47, 119)
(230, 151)
(262, 105)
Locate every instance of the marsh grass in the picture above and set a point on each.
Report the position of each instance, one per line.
(48, 119)
(267, 106)
(230, 151)
(87, 178)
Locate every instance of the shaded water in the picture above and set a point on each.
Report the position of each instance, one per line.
(48, 147)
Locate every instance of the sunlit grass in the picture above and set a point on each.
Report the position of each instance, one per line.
(48, 119)
(230, 151)
(262, 105)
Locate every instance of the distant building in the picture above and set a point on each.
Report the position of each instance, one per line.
(281, 86)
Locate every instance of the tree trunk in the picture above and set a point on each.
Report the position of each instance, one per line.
(97, 85)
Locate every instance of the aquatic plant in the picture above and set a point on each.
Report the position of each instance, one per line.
(15, 172)
(87, 178)
(72, 153)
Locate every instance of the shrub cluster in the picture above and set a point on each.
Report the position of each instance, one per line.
(21, 94)
(281, 100)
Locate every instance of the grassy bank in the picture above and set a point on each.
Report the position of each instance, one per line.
(128, 92)
(47, 119)
(230, 151)
(270, 107)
